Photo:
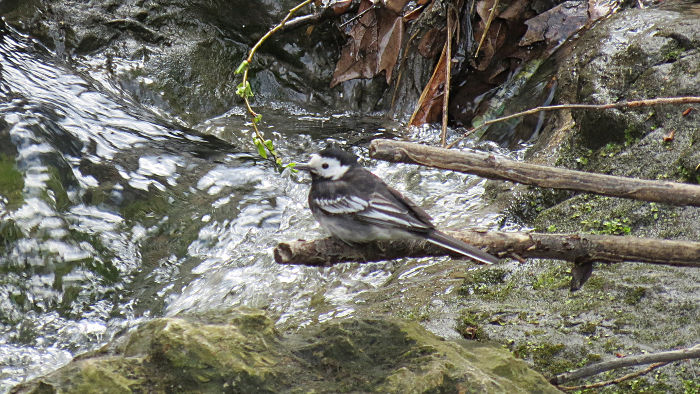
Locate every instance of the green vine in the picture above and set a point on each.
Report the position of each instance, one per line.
(265, 147)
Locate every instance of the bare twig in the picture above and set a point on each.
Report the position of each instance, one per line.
(594, 369)
(613, 381)
(448, 74)
(488, 25)
(498, 167)
(324, 14)
(360, 15)
(622, 104)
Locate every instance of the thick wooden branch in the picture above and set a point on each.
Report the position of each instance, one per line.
(490, 166)
(594, 369)
(578, 248)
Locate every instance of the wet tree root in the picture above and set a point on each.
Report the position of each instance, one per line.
(493, 167)
(582, 249)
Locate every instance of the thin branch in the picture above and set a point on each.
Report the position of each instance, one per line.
(622, 104)
(488, 25)
(274, 29)
(614, 381)
(360, 15)
(249, 59)
(324, 14)
(498, 167)
(448, 74)
(594, 369)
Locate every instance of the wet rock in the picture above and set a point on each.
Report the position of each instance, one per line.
(623, 308)
(241, 351)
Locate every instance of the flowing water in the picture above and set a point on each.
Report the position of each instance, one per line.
(110, 215)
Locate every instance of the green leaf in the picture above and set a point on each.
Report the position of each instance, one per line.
(242, 67)
(243, 89)
(269, 145)
(261, 148)
(240, 89)
(257, 118)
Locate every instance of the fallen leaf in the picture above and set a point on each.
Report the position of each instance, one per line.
(340, 7)
(373, 47)
(431, 43)
(687, 111)
(429, 106)
(670, 135)
(557, 24)
(395, 5)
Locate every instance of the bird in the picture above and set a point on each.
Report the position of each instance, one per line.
(357, 207)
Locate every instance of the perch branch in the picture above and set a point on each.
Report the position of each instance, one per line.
(594, 369)
(578, 248)
(490, 166)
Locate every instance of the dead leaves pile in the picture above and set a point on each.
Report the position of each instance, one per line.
(516, 34)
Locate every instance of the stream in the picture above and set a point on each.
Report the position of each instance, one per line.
(113, 214)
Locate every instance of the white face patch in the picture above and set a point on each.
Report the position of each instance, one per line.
(327, 167)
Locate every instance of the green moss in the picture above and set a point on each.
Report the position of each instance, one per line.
(556, 277)
(11, 182)
(487, 283)
(673, 54)
(543, 355)
(469, 326)
(588, 328)
(613, 226)
(634, 295)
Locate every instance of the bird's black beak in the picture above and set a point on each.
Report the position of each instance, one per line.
(303, 167)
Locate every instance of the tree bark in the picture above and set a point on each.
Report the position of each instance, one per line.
(578, 248)
(493, 167)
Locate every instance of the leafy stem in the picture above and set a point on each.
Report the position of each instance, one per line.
(266, 149)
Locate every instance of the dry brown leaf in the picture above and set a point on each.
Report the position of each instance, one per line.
(670, 136)
(431, 43)
(557, 24)
(429, 106)
(395, 5)
(495, 38)
(373, 47)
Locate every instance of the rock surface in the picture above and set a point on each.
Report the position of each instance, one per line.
(241, 351)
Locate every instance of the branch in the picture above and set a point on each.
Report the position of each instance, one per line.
(578, 248)
(594, 369)
(490, 166)
(333, 10)
(623, 104)
(613, 381)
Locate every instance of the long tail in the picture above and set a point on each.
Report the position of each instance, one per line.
(461, 247)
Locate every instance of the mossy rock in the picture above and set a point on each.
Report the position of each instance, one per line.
(241, 351)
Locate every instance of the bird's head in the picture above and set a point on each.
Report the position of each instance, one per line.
(330, 163)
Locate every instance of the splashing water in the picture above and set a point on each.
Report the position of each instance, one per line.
(110, 216)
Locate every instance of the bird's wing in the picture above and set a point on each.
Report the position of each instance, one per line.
(341, 204)
(386, 210)
(418, 211)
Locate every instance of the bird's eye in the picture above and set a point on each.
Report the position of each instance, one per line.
(324, 165)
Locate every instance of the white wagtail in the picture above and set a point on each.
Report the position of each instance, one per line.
(356, 206)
